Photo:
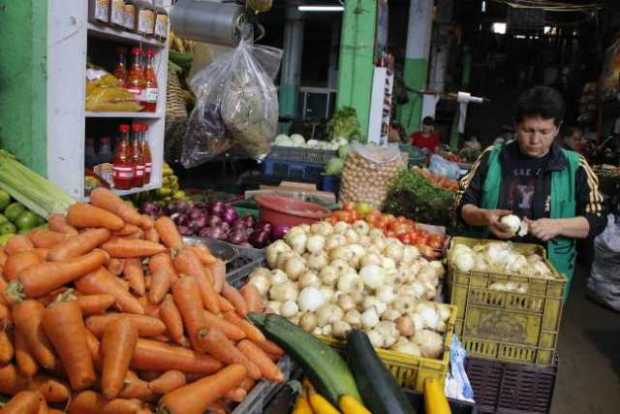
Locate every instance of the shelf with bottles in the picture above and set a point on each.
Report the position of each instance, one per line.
(135, 115)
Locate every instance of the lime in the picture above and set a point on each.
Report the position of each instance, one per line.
(13, 211)
(163, 191)
(27, 220)
(7, 228)
(5, 199)
(363, 209)
(3, 219)
(5, 238)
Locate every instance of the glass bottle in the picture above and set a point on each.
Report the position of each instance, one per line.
(146, 154)
(136, 154)
(90, 156)
(150, 83)
(123, 167)
(120, 72)
(135, 76)
(117, 13)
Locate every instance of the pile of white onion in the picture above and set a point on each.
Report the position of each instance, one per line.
(331, 279)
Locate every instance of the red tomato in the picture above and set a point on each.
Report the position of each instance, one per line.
(354, 215)
(405, 238)
(349, 206)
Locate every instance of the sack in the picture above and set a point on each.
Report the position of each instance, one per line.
(604, 280)
(237, 103)
(368, 173)
(444, 168)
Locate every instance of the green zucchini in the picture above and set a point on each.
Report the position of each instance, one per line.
(381, 393)
(327, 370)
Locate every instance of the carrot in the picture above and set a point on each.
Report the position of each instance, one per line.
(63, 325)
(46, 238)
(122, 406)
(247, 384)
(27, 317)
(225, 305)
(52, 389)
(236, 395)
(95, 304)
(102, 281)
(42, 252)
(18, 243)
(152, 235)
(147, 222)
(187, 263)
(121, 247)
(11, 380)
(81, 215)
(3, 257)
(107, 200)
(79, 244)
(146, 325)
(117, 347)
(270, 347)
(25, 361)
(196, 397)
(268, 369)
(57, 222)
(232, 331)
(168, 233)
(6, 348)
(235, 298)
(116, 266)
(157, 356)
(127, 230)
(252, 298)
(86, 402)
(222, 349)
(187, 298)
(169, 314)
(18, 262)
(24, 402)
(218, 407)
(135, 387)
(151, 309)
(55, 411)
(160, 285)
(251, 331)
(42, 278)
(5, 316)
(94, 346)
(203, 253)
(167, 382)
(163, 260)
(135, 275)
(218, 272)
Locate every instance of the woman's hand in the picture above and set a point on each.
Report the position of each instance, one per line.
(545, 229)
(499, 229)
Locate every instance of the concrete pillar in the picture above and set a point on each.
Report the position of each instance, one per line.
(416, 61)
(291, 65)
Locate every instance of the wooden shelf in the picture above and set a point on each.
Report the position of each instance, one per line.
(123, 193)
(141, 115)
(111, 33)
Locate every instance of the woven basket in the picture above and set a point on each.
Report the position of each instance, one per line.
(175, 98)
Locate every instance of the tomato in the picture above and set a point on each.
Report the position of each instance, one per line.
(400, 228)
(332, 220)
(354, 215)
(423, 239)
(435, 243)
(390, 233)
(389, 217)
(405, 238)
(348, 206)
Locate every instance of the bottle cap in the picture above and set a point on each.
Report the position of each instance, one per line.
(135, 127)
(123, 128)
(136, 51)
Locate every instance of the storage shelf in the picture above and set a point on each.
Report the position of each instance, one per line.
(111, 33)
(143, 115)
(123, 193)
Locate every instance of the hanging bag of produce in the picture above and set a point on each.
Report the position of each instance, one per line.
(237, 104)
(368, 172)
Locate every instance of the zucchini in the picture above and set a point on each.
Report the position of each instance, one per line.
(382, 395)
(327, 370)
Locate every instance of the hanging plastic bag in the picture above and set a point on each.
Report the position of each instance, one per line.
(237, 104)
(442, 167)
(604, 281)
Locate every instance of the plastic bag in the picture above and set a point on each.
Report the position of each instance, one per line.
(457, 384)
(441, 166)
(237, 103)
(604, 280)
(104, 93)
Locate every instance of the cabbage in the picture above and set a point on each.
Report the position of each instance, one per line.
(283, 140)
(298, 140)
(334, 166)
(343, 151)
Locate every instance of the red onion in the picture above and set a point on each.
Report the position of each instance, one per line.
(213, 233)
(237, 237)
(259, 239)
(199, 222)
(185, 231)
(214, 221)
(229, 215)
(249, 221)
(279, 231)
(151, 208)
(264, 226)
(217, 208)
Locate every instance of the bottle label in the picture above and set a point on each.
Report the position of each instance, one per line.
(117, 13)
(130, 17)
(123, 173)
(102, 10)
(150, 95)
(140, 171)
(161, 26)
(146, 21)
(148, 167)
(137, 93)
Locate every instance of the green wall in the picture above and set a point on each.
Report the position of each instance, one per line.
(415, 74)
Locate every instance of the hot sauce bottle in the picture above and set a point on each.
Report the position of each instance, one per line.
(136, 155)
(122, 163)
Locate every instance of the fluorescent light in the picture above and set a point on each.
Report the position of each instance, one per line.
(499, 28)
(484, 6)
(547, 29)
(320, 8)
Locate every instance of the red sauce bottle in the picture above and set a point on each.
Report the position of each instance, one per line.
(146, 154)
(122, 164)
(135, 76)
(136, 154)
(150, 83)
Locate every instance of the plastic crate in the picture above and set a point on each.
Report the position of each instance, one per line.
(302, 154)
(293, 170)
(239, 269)
(507, 326)
(507, 388)
(456, 407)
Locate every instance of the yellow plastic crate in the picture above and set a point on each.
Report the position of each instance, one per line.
(411, 371)
(507, 326)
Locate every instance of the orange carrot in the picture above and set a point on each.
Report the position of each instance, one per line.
(25, 402)
(94, 346)
(138, 235)
(46, 238)
(127, 230)
(117, 347)
(107, 200)
(27, 317)
(102, 281)
(7, 350)
(147, 326)
(55, 411)
(25, 361)
(121, 247)
(122, 406)
(11, 380)
(86, 402)
(236, 395)
(135, 275)
(42, 252)
(152, 235)
(5, 316)
(235, 298)
(42, 278)
(147, 222)
(252, 298)
(187, 298)
(157, 356)
(95, 304)
(251, 331)
(187, 263)
(247, 384)
(196, 397)
(18, 243)
(218, 272)
(57, 222)
(167, 382)
(232, 331)
(218, 407)
(151, 309)
(225, 305)
(79, 244)
(116, 266)
(63, 325)
(268, 369)
(52, 389)
(270, 347)
(18, 262)
(168, 233)
(3, 257)
(135, 387)
(81, 215)
(160, 285)
(221, 348)
(163, 260)
(169, 314)
(203, 253)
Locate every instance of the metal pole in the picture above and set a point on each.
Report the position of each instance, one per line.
(440, 54)
(291, 66)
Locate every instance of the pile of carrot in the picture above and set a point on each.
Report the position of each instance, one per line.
(107, 311)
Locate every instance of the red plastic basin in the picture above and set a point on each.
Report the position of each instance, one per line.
(283, 210)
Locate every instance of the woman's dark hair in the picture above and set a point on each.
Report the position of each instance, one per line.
(428, 121)
(541, 101)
